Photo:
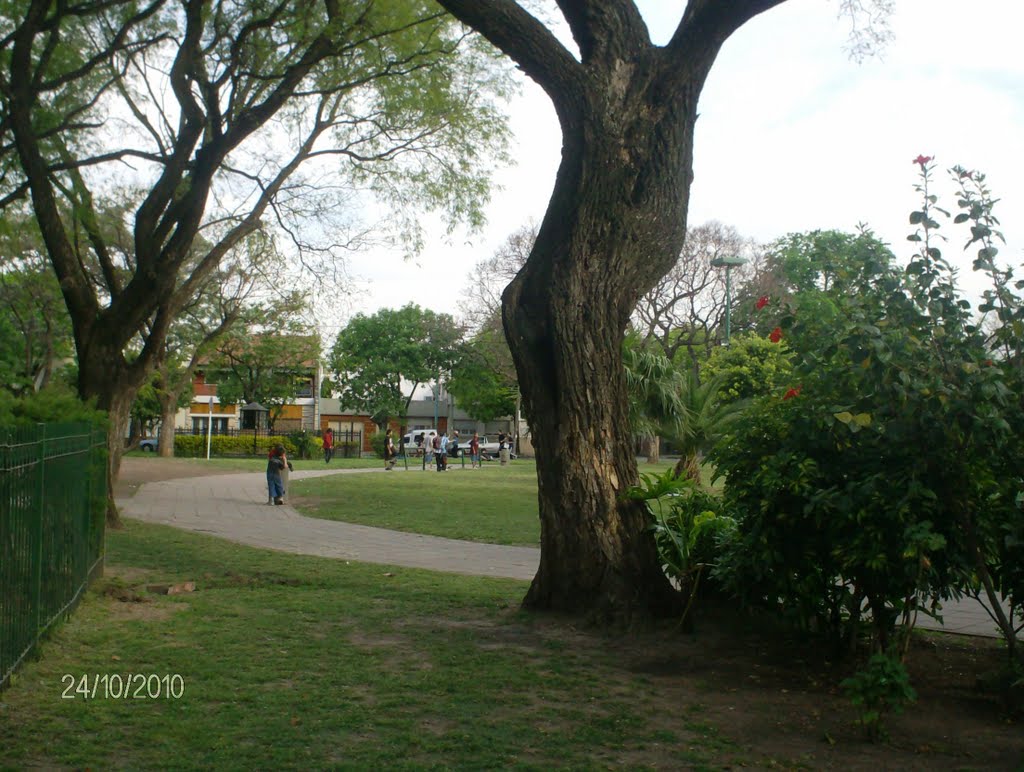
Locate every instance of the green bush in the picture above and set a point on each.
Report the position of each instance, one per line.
(881, 687)
(194, 445)
(377, 444)
(54, 404)
(689, 527)
(348, 449)
(885, 479)
(305, 444)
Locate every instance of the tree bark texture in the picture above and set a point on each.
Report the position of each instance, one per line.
(104, 376)
(168, 414)
(614, 225)
(653, 449)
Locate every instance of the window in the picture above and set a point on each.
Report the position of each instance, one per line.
(220, 425)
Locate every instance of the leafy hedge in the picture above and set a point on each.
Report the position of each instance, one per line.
(194, 445)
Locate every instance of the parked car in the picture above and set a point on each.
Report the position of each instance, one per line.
(489, 448)
(409, 440)
(150, 444)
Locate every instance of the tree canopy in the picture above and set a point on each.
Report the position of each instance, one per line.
(228, 117)
(379, 360)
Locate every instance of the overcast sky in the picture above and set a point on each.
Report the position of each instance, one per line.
(792, 136)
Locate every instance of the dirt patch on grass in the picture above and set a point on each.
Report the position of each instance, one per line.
(758, 697)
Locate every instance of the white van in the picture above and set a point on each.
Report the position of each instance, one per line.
(410, 439)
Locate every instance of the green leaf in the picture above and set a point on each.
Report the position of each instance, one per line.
(916, 218)
(843, 417)
(862, 419)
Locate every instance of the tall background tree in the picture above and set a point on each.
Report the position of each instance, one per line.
(614, 225)
(379, 360)
(35, 331)
(683, 313)
(212, 108)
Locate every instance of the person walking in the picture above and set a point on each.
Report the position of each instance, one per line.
(328, 439)
(428, 448)
(474, 451)
(503, 448)
(277, 462)
(442, 455)
(437, 450)
(390, 454)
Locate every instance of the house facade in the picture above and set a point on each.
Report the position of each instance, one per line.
(313, 413)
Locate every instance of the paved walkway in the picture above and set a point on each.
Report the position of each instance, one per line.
(234, 507)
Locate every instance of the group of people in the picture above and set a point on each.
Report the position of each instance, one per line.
(435, 447)
(440, 446)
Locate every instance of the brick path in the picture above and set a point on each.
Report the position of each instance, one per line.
(233, 506)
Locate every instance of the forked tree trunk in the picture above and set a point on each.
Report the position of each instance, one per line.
(613, 227)
(615, 224)
(688, 466)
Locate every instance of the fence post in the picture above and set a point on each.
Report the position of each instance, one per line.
(41, 460)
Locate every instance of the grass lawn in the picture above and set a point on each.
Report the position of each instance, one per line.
(298, 662)
(495, 504)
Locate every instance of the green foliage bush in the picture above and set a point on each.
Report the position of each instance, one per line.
(377, 444)
(689, 526)
(54, 404)
(889, 478)
(194, 445)
(883, 686)
(305, 444)
(750, 366)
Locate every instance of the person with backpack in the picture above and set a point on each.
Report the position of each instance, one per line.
(453, 444)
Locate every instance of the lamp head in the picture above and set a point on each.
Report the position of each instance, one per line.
(728, 262)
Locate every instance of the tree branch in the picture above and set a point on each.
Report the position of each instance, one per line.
(528, 42)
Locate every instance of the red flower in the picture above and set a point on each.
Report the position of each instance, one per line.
(762, 302)
(922, 159)
(792, 393)
(776, 335)
(988, 363)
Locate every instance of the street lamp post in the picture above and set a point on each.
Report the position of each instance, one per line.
(728, 262)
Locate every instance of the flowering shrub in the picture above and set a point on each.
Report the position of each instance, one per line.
(892, 482)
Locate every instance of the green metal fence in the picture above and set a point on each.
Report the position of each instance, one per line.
(52, 509)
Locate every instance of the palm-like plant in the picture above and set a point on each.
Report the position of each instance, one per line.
(655, 389)
(705, 416)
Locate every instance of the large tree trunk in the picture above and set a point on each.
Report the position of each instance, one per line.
(168, 415)
(615, 224)
(613, 227)
(104, 377)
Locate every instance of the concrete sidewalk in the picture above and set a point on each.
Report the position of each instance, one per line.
(233, 506)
